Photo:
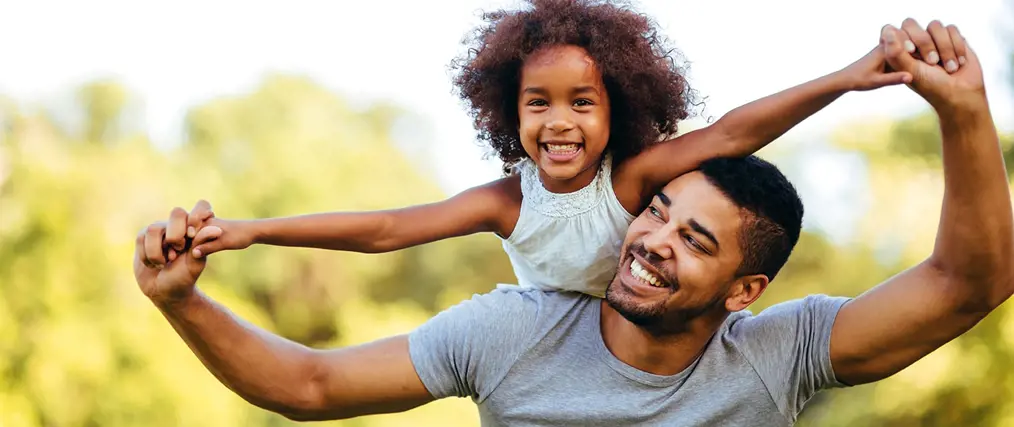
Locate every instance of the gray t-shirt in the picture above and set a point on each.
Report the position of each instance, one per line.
(536, 358)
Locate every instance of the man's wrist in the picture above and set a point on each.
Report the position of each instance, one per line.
(178, 301)
(964, 110)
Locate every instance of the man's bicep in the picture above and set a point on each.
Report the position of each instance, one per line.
(374, 378)
(895, 324)
(464, 351)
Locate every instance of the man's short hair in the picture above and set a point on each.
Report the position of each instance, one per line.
(772, 211)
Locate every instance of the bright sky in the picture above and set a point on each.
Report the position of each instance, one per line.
(178, 54)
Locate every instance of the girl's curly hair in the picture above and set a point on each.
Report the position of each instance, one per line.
(647, 88)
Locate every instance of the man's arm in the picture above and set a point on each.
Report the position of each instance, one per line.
(291, 379)
(747, 128)
(969, 272)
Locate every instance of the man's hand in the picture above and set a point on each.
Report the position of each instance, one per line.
(968, 274)
(949, 77)
(165, 271)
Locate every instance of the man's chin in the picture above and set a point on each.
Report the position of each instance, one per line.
(639, 313)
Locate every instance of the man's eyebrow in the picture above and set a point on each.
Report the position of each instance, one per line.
(664, 199)
(696, 226)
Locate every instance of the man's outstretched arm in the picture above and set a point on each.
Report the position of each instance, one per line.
(291, 379)
(969, 272)
(265, 369)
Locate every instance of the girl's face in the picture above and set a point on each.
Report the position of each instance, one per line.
(563, 112)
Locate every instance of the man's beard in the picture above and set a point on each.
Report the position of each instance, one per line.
(655, 318)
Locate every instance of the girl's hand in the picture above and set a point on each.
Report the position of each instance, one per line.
(872, 72)
(228, 235)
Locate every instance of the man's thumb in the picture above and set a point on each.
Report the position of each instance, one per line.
(195, 266)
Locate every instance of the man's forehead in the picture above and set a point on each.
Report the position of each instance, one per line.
(693, 195)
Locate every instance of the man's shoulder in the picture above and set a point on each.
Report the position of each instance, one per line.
(468, 348)
(514, 304)
(786, 310)
(786, 318)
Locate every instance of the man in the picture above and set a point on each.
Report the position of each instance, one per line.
(671, 344)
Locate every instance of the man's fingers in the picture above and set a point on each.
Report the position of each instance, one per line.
(201, 212)
(942, 40)
(922, 40)
(175, 233)
(892, 40)
(205, 239)
(153, 245)
(139, 249)
(960, 49)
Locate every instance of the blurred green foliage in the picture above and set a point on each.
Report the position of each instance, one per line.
(80, 345)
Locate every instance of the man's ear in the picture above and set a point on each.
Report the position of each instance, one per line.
(744, 291)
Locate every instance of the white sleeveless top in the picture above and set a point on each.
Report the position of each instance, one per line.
(568, 241)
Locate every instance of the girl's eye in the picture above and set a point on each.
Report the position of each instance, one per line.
(537, 103)
(582, 103)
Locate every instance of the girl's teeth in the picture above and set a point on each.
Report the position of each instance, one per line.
(562, 148)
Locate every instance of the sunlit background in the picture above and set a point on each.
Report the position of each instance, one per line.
(113, 112)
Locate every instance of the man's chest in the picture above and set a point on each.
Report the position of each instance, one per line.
(597, 395)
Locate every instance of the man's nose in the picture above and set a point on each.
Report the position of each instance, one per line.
(659, 243)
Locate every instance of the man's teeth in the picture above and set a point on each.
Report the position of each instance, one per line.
(562, 148)
(639, 272)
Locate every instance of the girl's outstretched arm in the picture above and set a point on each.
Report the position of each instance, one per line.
(492, 207)
(746, 129)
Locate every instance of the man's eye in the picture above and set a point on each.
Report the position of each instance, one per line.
(695, 244)
(654, 211)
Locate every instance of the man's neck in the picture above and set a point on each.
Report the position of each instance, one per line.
(659, 355)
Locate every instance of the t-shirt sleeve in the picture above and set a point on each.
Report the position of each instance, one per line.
(466, 350)
(789, 346)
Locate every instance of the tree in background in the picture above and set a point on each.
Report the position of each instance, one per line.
(80, 346)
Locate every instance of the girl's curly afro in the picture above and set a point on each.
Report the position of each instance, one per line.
(647, 88)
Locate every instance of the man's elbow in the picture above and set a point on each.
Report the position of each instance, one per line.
(981, 289)
(312, 401)
(312, 408)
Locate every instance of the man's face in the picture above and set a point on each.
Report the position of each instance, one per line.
(679, 258)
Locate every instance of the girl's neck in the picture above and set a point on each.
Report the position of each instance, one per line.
(569, 185)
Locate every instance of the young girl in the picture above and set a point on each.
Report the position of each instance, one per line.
(576, 98)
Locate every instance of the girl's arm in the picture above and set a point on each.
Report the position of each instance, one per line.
(491, 207)
(746, 129)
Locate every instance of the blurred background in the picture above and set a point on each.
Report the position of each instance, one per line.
(113, 112)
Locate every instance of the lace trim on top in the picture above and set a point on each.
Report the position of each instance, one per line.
(563, 205)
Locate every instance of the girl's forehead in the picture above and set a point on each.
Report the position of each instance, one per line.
(561, 62)
(559, 54)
